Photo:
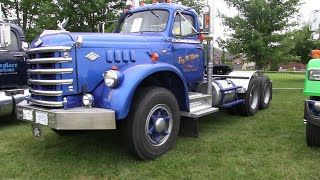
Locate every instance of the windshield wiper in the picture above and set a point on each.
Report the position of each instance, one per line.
(155, 14)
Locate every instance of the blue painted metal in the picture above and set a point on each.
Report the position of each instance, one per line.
(233, 103)
(129, 52)
(152, 132)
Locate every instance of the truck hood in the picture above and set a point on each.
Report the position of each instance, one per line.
(98, 53)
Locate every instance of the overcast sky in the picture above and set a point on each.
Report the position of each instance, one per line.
(220, 5)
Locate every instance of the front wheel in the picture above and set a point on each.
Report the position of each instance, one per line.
(313, 135)
(152, 126)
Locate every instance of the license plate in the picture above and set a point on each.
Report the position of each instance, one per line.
(42, 118)
(27, 114)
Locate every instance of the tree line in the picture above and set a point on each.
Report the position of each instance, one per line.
(261, 31)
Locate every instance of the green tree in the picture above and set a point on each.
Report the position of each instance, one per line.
(302, 44)
(258, 29)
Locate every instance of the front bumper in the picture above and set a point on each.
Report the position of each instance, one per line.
(80, 118)
(9, 99)
(309, 114)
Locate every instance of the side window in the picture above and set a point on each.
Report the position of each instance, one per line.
(181, 27)
(14, 46)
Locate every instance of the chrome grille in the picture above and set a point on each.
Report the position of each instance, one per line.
(46, 75)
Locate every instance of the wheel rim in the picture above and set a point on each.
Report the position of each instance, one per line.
(254, 96)
(159, 125)
(267, 93)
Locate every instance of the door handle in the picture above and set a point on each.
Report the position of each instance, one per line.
(18, 55)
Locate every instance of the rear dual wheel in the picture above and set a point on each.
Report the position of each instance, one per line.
(251, 97)
(266, 92)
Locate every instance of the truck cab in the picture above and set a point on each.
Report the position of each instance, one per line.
(141, 79)
(13, 67)
(312, 87)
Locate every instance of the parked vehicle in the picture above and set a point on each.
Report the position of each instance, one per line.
(13, 67)
(312, 88)
(141, 79)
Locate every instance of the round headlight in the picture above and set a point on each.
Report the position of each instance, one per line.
(87, 100)
(111, 78)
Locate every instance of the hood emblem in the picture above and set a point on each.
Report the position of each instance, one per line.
(38, 42)
(92, 56)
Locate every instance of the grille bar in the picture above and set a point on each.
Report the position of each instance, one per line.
(50, 71)
(46, 103)
(45, 93)
(50, 49)
(51, 82)
(48, 60)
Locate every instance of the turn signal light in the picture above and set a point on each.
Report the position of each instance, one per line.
(316, 54)
(201, 38)
(154, 57)
(207, 20)
(114, 68)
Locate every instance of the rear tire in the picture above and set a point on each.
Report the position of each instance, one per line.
(252, 98)
(152, 125)
(265, 92)
(313, 135)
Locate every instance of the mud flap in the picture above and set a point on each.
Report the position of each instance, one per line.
(188, 127)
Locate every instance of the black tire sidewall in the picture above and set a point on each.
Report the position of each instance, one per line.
(264, 80)
(147, 99)
(246, 108)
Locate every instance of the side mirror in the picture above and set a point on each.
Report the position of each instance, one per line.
(5, 35)
(315, 21)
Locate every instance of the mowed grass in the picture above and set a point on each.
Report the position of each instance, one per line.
(270, 145)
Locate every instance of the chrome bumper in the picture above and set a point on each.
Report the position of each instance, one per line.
(9, 98)
(80, 118)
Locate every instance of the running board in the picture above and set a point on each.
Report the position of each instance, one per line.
(200, 105)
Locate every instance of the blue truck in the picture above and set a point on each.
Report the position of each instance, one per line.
(149, 79)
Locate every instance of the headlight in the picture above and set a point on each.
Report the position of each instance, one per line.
(314, 74)
(87, 100)
(112, 78)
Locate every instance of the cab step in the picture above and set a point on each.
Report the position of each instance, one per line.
(200, 105)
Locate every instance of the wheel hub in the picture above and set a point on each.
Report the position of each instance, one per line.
(160, 125)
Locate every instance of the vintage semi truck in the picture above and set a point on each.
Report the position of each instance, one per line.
(312, 88)
(13, 67)
(149, 79)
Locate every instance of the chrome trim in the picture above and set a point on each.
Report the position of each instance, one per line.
(50, 71)
(48, 60)
(46, 103)
(50, 49)
(46, 93)
(79, 118)
(51, 82)
(190, 41)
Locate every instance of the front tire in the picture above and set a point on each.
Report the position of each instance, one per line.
(313, 135)
(152, 126)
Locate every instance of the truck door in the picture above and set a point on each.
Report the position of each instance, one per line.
(13, 64)
(187, 49)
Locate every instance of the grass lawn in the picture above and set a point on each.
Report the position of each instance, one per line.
(270, 145)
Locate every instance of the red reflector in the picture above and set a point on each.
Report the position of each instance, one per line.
(201, 38)
(154, 57)
(316, 54)
(114, 68)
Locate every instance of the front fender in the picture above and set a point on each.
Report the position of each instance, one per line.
(119, 99)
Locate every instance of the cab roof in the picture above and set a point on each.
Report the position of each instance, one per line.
(171, 7)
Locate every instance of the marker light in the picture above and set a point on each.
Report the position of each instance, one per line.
(316, 54)
(201, 38)
(314, 74)
(154, 57)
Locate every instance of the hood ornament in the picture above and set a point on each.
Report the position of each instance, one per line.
(62, 25)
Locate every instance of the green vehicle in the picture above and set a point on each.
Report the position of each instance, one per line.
(312, 88)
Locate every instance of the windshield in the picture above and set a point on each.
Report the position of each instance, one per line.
(145, 21)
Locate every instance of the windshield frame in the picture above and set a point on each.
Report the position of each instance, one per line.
(145, 10)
